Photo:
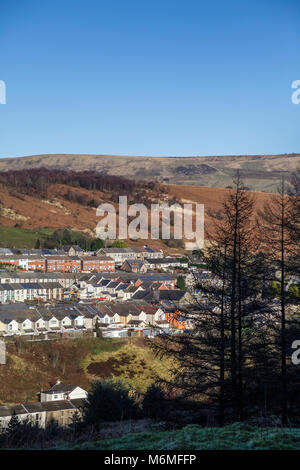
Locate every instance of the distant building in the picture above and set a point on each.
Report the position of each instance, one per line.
(149, 252)
(119, 255)
(70, 264)
(71, 250)
(21, 292)
(97, 264)
(2, 352)
(61, 391)
(165, 263)
(134, 266)
(59, 403)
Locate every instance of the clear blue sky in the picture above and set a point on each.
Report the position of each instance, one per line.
(186, 77)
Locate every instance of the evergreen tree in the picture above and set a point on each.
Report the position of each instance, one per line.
(13, 424)
(109, 401)
(275, 222)
(154, 403)
(76, 425)
(211, 361)
(97, 244)
(181, 283)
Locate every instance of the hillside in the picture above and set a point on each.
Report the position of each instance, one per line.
(34, 203)
(28, 212)
(31, 366)
(260, 172)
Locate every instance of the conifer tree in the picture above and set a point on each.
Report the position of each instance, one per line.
(211, 361)
(276, 241)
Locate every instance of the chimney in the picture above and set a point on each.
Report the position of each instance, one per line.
(57, 382)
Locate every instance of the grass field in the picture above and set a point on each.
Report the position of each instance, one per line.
(234, 437)
(21, 237)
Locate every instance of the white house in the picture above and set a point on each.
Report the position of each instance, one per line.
(66, 322)
(165, 263)
(27, 326)
(153, 314)
(40, 325)
(53, 324)
(13, 327)
(77, 319)
(61, 391)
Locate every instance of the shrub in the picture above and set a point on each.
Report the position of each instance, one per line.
(119, 244)
(181, 283)
(154, 402)
(109, 401)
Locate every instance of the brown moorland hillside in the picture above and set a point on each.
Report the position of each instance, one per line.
(58, 205)
(260, 172)
(51, 198)
(213, 199)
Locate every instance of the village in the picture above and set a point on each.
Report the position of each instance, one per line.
(68, 292)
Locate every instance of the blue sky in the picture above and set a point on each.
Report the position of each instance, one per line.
(149, 77)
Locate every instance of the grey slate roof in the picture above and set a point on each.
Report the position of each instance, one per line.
(174, 295)
(61, 388)
(9, 410)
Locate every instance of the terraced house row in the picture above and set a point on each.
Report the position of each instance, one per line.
(64, 279)
(21, 319)
(74, 259)
(21, 292)
(58, 263)
(113, 318)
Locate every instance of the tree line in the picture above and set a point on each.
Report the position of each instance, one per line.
(36, 181)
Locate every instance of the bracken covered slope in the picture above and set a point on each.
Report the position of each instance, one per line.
(69, 207)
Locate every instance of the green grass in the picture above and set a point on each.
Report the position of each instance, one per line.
(137, 364)
(16, 237)
(192, 437)
(99, 345)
